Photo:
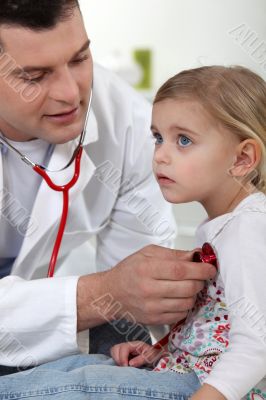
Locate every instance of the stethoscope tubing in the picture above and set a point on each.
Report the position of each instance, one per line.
(65, 190)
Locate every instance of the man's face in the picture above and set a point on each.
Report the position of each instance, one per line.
(56, 67)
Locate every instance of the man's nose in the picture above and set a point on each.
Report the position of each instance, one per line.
(65, 87)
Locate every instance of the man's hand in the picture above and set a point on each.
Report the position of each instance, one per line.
(153, 286)
(158, 285)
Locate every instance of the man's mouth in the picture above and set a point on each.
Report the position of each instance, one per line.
(67, 112)
(65, 117)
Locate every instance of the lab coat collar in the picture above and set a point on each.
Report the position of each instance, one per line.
(47, 208)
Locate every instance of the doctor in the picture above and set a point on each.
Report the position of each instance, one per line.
(45, 80)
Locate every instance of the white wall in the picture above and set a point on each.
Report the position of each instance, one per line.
(182, 34)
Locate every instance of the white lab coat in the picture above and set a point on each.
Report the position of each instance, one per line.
(38, 316)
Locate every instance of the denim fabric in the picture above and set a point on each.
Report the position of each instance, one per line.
(6, 266)
(95, 377)
(103, 337)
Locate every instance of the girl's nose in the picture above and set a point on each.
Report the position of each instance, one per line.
(162, 154)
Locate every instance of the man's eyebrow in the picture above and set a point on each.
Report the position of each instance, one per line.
(83, 48)
(29, 69)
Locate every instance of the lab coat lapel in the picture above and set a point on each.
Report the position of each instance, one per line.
(47, 208)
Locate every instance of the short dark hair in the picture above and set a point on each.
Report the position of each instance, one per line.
(36, 14)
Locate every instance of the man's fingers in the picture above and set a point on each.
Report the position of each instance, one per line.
(184, 255)
(177, 264)
(175, 305)
(182, 270)
(166, 253)
(177, 289)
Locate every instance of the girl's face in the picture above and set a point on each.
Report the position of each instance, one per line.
(193, 154)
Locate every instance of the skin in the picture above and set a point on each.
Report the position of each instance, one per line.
(142, 289)
(189, 146)
(192, 157)
(64, 85)
(138, 284)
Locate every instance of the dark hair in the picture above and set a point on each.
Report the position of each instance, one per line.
(36, 14)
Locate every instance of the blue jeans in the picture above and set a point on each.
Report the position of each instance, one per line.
(95, 377)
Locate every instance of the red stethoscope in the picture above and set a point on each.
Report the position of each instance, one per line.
(206, 255)
(65, 190)
(41, 170)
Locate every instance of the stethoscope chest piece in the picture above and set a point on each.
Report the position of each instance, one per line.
(206, 255)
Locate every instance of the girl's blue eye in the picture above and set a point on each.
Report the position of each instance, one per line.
(157, 138)
(184, 141)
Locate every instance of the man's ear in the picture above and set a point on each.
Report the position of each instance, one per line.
(247, 158)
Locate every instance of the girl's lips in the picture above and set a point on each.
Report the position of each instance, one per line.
(164, 180)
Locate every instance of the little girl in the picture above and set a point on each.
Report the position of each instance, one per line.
(209, 126)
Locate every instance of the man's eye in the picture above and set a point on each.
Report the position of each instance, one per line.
(80, 59)
(184, 141)
(157, 138)
(36, 79)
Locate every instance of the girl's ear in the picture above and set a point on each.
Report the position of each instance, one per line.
(248, 156)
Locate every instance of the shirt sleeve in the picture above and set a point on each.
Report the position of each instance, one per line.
(242, 255)
(38, 320)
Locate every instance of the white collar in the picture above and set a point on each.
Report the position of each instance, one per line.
(209, 229)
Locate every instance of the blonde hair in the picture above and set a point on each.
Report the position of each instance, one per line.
(233, 96)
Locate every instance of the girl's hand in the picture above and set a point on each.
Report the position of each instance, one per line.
(142, 353)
